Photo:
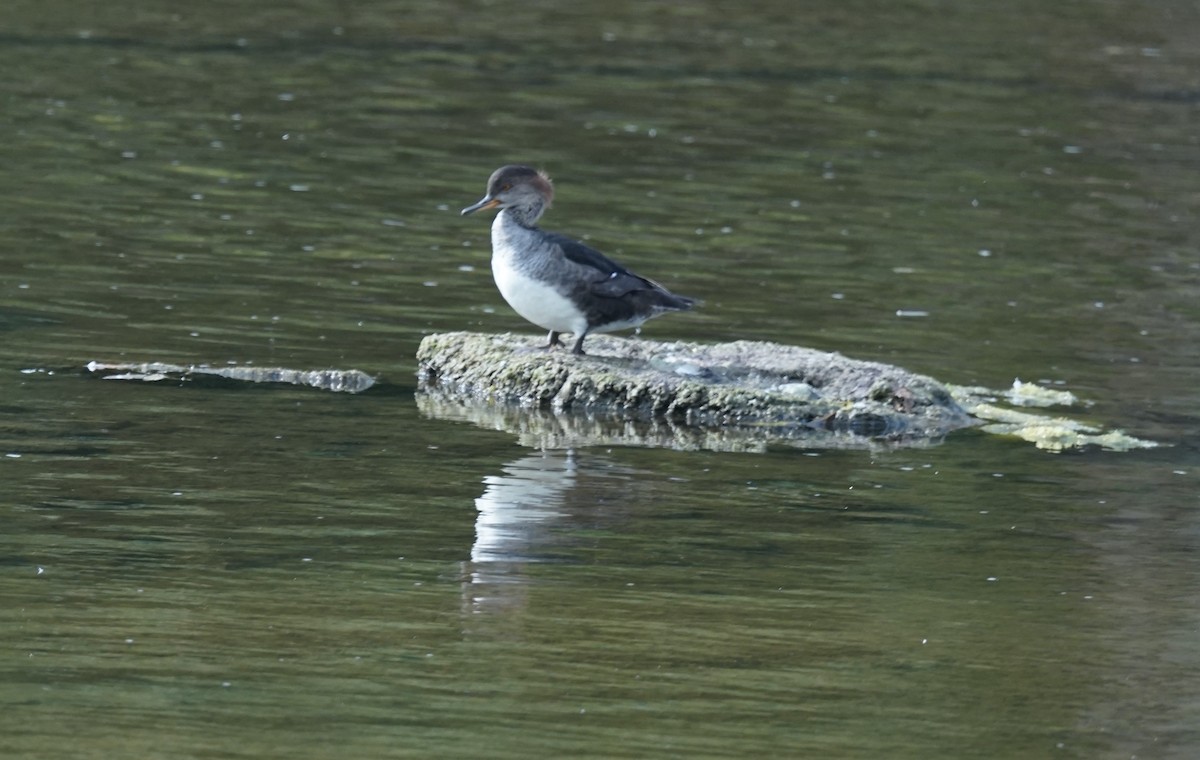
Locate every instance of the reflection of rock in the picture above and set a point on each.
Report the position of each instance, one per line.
(549, 429)
(345, 380)
(731, 396)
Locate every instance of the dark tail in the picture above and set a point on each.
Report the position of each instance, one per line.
(682, 303)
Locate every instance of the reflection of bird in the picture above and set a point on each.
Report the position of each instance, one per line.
(555, 282)
(517, 508)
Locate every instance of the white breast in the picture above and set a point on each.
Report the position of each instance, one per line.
(534, 299)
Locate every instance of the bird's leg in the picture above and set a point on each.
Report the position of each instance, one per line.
(552, 341)
(577, 349)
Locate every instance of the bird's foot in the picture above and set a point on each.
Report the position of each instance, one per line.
(552, 341)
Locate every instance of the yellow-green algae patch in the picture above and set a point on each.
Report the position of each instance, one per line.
(1049, 433)
(1032, 394)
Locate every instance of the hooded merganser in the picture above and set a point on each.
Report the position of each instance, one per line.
(557, 283)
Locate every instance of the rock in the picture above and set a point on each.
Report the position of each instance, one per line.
(341, 380)
(763, 391)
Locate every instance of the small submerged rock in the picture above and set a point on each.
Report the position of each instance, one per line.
(339, 380)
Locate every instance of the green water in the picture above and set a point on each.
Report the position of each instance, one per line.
(273, 572)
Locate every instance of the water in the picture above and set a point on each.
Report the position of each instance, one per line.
(248, 572)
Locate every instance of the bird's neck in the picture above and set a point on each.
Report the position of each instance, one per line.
(525, 215)
(516, 244)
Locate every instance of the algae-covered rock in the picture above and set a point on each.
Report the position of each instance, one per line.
(777, 392)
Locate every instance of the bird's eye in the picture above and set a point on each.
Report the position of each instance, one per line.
(506, 186)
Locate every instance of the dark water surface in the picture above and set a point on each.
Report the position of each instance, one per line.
(274, 572)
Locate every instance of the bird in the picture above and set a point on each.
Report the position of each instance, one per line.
(555, 281)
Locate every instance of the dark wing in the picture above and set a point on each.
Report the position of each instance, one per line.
(609, 279)
(586, 256)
